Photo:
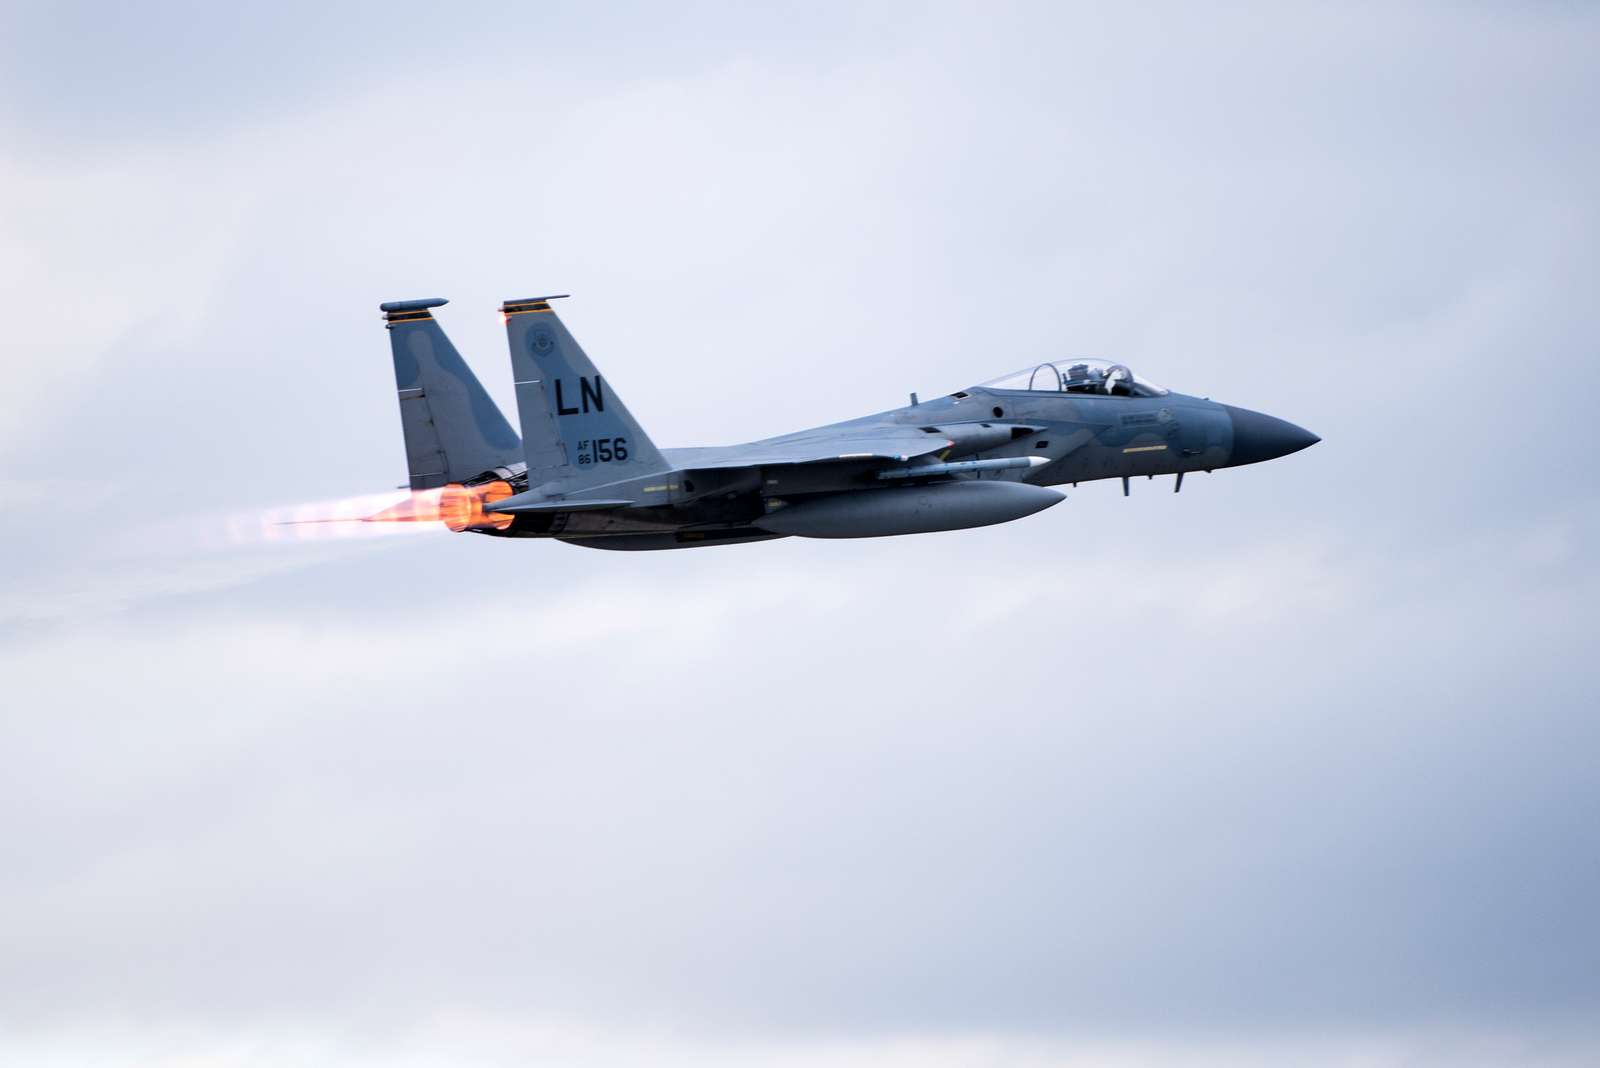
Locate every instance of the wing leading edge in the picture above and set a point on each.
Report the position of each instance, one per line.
(889, 444)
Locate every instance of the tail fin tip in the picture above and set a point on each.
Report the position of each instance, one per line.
(422, 304)
(520, 305)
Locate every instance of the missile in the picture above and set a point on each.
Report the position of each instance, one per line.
(968, 438)
(1006, 463)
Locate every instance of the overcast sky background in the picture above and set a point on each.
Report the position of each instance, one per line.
(1295, 767)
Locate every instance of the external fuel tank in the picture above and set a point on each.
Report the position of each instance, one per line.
(908, 509)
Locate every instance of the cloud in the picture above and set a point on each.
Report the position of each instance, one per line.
(566, 793)
(456, 1037)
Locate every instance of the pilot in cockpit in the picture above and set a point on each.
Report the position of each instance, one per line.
(1081, 378)
(1084, 377)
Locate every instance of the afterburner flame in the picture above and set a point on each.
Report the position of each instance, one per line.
(455, 507)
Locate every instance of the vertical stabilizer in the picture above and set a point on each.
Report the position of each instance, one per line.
(576, 431)
(453, 430)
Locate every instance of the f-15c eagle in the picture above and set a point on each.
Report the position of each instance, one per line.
(584, 471)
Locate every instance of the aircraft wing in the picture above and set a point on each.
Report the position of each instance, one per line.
(890, 444)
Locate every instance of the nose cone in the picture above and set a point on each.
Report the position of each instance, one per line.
(1258, 437)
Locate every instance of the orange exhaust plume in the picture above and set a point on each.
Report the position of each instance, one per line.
(457, 507)
(462, 507)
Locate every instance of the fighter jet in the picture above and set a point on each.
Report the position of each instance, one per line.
(583, 470)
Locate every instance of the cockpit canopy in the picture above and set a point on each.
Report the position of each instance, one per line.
(1079, 376)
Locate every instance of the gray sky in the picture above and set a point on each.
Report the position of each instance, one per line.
(1297, 766)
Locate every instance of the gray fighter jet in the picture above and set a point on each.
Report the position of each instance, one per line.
(583, 470)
